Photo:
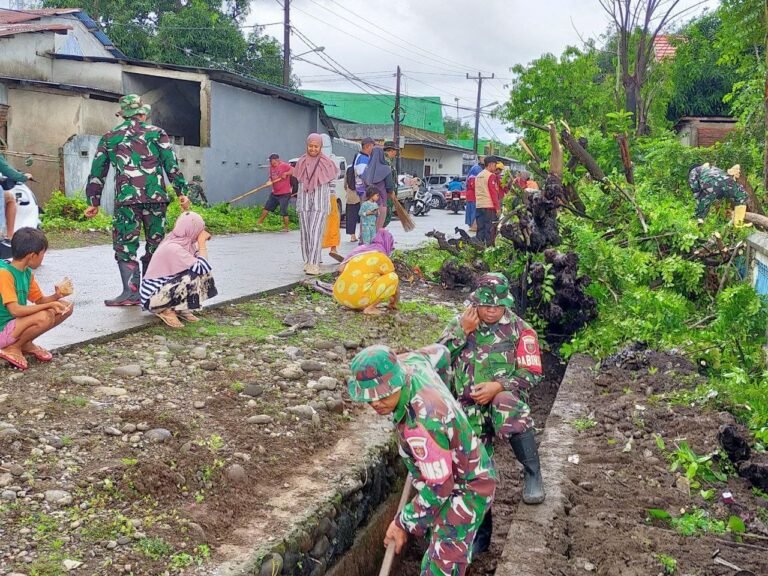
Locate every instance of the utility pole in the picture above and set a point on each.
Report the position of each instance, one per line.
(458, 121)
(397, 121)
(287, 43)
(479, 79)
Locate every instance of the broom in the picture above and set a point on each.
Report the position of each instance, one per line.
(403, 216)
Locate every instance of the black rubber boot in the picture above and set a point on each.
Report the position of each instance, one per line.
(483, 537)
(524, 447)
(145, 260)
(130, 276)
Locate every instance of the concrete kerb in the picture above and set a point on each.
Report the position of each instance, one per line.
(538, 531)
(150, 323)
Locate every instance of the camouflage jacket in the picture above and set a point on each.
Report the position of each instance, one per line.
(451, 470)
(506, 352)
(714, 181)
(140, 154)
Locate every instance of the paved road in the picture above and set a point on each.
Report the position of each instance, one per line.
(244, 265)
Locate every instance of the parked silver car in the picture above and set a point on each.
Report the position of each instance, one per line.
(437, 184)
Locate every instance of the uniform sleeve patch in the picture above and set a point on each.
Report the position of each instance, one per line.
(528, 355)
(433, 461)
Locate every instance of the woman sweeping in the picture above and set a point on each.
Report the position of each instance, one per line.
(379, 175)
(316, 174)
(368, 277)
(179, 276)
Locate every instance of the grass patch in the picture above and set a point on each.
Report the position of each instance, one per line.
(583, 423)
(77, 401)
(154, 548)
(442, 313)
(428, 259)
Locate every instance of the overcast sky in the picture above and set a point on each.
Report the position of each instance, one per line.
(436, 42)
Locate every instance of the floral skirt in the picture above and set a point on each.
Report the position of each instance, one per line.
(185, 291)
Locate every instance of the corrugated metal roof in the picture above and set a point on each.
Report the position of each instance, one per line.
(13, 29)
(424, 113)
(16, 16)
(225, 77)
(18, 22)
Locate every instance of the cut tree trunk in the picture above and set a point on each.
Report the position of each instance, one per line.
(758, 220)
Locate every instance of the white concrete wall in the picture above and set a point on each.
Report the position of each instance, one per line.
(21, 56)
(443, 161)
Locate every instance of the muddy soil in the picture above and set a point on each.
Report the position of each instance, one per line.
(510, 480)
(147, 455)
(624, 470)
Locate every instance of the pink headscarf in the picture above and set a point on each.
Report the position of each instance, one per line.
(311, 172)
(176, 252)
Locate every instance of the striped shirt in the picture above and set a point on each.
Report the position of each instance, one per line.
(151, 286)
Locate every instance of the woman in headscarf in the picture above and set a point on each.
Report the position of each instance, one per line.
(368, 277)
(316, 174)
(379, 175)
(179, 278)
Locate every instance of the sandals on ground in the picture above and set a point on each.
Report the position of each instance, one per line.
(18, 362)
(187, 316)
(40, 354)
(170, 318)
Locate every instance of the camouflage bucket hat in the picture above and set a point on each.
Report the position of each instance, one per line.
(377, 373)
(131, 105)
(492, 290)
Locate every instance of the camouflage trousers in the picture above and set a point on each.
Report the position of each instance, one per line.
(126, 229)
(507, 414)
(724, 189)
(450, 545)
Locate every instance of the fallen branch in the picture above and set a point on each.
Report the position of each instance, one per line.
(728, 267)
(442, 243)
(758, 220)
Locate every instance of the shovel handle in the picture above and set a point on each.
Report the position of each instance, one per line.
(389, 555)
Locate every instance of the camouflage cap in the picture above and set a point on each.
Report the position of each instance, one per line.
(492, 290)
(131, 105)
(377, 373)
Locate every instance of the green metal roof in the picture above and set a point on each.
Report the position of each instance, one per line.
(425, 113)
(467, 143)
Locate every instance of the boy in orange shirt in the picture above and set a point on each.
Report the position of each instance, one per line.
(25, 313)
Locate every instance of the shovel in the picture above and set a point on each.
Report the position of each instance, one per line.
(389, 555)
(236, 198)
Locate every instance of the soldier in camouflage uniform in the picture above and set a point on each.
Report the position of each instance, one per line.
(451, 471)
(496, 360)
(140, 153)
(196, 193)
(710, 184)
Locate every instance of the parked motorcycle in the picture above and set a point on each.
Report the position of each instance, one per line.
(456, 203)
(421, 202)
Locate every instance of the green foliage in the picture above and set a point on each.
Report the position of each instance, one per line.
(64, 213)
(668, 563)
(224, 219)
(584, 423)
(697, 468)
(154, 548)
(428, 259)
(700, 81)
(697, 522)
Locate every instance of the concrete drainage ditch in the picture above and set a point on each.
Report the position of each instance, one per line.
(342, 534)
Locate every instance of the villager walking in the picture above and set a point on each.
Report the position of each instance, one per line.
(487, 199)
(140, 154)
(451, 470)
(316, 174)
(496, 361)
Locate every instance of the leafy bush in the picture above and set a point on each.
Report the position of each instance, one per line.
(67, 213)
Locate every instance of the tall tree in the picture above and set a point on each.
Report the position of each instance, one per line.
(638, 23)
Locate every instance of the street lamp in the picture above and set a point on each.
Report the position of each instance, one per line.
(318, 49)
